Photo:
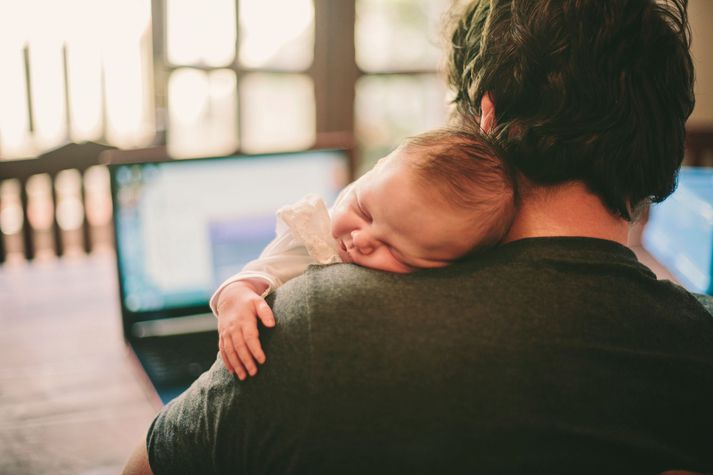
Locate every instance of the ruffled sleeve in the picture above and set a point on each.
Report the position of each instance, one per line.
(309, 222)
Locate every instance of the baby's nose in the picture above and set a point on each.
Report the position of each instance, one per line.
(362, 242)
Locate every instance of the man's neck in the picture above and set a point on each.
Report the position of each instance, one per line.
(565, 210)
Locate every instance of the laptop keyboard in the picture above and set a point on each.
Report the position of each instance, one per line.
(177, 359)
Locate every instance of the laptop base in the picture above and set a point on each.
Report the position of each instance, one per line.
(173, 362)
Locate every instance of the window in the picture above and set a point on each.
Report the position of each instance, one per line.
(86, 77)
(219, 75)
(258, 96)
(276, 82)
(400, 93)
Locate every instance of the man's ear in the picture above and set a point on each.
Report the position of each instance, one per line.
(487, 113)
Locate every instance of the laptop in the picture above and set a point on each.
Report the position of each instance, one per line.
(181, 227)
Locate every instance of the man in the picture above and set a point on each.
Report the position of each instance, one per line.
(557, 352)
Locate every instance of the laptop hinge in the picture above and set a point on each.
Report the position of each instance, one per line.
(175, 326)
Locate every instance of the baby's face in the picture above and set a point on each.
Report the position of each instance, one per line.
(388, 222)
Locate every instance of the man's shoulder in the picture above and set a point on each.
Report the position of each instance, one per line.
(346, 293)
(345, 282)
(336, 283)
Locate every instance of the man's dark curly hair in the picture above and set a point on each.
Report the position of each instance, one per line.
(590, 90)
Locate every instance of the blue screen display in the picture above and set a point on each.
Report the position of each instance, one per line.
(184, 226)
(679, 233)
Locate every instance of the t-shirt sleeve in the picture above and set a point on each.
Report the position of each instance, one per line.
(223, 425)
(182, 435)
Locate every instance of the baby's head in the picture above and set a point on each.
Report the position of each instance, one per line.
(436, 198)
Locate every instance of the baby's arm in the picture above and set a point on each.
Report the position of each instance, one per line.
(238, 312)
(303, 238)
(239, 301)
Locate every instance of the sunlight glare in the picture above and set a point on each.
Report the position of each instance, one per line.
(188, 94)
(106, 41)
(202, 112)
(15, 138)
(278, 111)
(47, 74)
(84, 67)
(127, 73)
(200, 33)
(284, 40)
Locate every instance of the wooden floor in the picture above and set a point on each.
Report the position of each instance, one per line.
(72, 400)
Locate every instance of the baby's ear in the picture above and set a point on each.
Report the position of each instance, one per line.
(487, 113)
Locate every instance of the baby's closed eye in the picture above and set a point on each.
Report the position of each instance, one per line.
(361, 209)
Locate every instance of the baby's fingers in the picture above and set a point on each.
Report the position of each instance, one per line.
(224, 357)
(265, 313)
(227, 352)
(241, 348)
(252, 341)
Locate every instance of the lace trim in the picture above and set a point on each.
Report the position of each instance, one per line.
(309, 221)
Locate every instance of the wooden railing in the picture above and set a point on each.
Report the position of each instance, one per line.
(44, 199)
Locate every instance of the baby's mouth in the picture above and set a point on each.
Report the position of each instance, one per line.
(344, 252)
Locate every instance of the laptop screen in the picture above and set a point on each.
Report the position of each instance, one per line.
(184, 226)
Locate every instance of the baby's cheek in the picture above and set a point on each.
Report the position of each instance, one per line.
(382, 259)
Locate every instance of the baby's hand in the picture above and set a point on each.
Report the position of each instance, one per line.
(239, 307)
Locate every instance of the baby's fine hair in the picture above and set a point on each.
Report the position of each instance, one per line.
(469, 171)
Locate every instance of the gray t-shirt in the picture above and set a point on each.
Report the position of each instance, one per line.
(547, 355)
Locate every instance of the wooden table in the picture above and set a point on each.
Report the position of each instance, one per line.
(72, 400)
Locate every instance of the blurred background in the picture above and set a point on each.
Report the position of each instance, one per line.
(203, 78)
(209, 78)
